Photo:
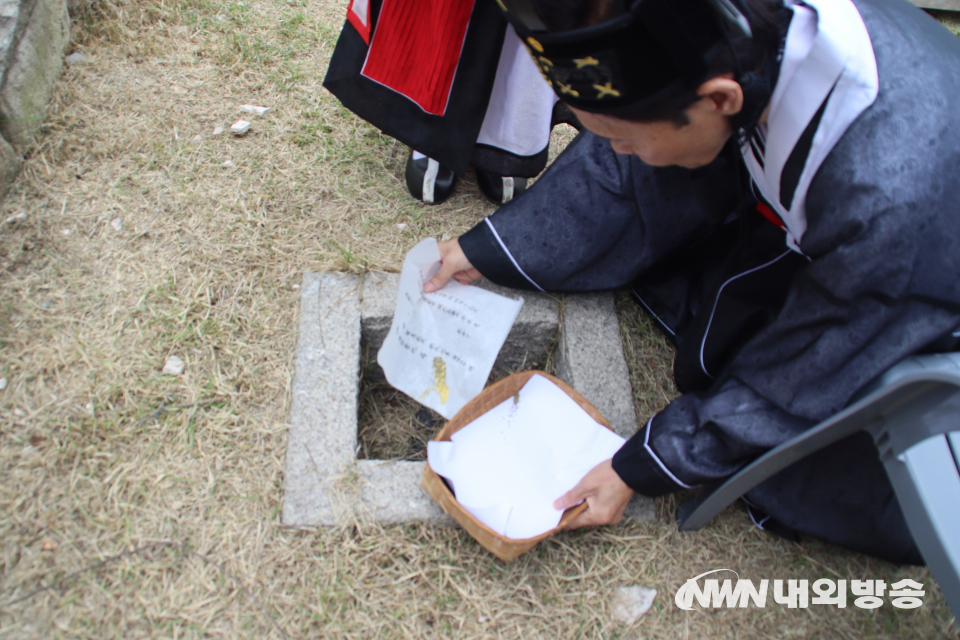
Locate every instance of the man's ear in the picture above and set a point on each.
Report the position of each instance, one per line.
(725, 94)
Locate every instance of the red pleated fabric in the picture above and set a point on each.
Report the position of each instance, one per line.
(416, 48)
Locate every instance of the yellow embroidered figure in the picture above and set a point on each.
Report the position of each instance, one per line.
(606, 90)
(589, 61)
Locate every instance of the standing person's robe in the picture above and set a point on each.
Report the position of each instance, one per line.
(448, 78)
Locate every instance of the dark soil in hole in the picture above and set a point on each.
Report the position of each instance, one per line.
(393, 426)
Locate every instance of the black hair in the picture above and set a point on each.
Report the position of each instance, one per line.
(742, 54)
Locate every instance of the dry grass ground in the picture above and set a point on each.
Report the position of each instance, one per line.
(148, 504)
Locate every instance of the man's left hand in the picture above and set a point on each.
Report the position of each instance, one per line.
(606, 495)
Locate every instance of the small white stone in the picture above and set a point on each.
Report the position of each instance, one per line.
(89, 407)
(19, 217)
(482, 619)
(19, 412)
(296, 286)
(173, 366)
(253, 109)
(239, 127)
(401, 225)
(628, 604)
(217, 131)
(227, 164)
(117, 224)
(75, 57)
(198, 138)
(66, 232)
(3, 384)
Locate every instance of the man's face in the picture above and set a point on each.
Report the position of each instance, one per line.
(665, 143)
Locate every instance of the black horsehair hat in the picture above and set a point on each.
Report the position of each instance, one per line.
(633, 60)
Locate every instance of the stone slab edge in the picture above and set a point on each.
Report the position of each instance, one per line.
(322, 440)
(390, 493)
(945, 5)
(590, 359)
(34, 35)
(33, 68)
(324, 484)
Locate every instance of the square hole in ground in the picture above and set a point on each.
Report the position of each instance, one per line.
(393, 426)
(325, 484)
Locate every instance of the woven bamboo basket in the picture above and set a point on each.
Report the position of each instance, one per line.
(504, 548)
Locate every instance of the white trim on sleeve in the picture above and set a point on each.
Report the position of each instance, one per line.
(510, 255)
(663, 467)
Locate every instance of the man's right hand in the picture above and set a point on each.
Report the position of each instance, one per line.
(453, 264)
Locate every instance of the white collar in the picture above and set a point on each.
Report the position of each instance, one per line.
(828, 53)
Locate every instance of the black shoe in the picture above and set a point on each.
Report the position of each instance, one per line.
(499, 189)
(430, 189)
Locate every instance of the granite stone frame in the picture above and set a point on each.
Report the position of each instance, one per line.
(324, 482)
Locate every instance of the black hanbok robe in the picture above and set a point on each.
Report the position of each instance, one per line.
(778, 325)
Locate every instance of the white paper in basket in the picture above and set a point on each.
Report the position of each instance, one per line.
(442, 345)
(510, 464)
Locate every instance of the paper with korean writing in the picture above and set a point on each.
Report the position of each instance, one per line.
(442, 345)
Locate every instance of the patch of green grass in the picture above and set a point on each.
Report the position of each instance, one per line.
(288, 76)
(348, 260)
(239, 47)
(310, 131)
(292, 26)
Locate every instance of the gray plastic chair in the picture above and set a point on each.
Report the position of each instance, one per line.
(913, 413)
